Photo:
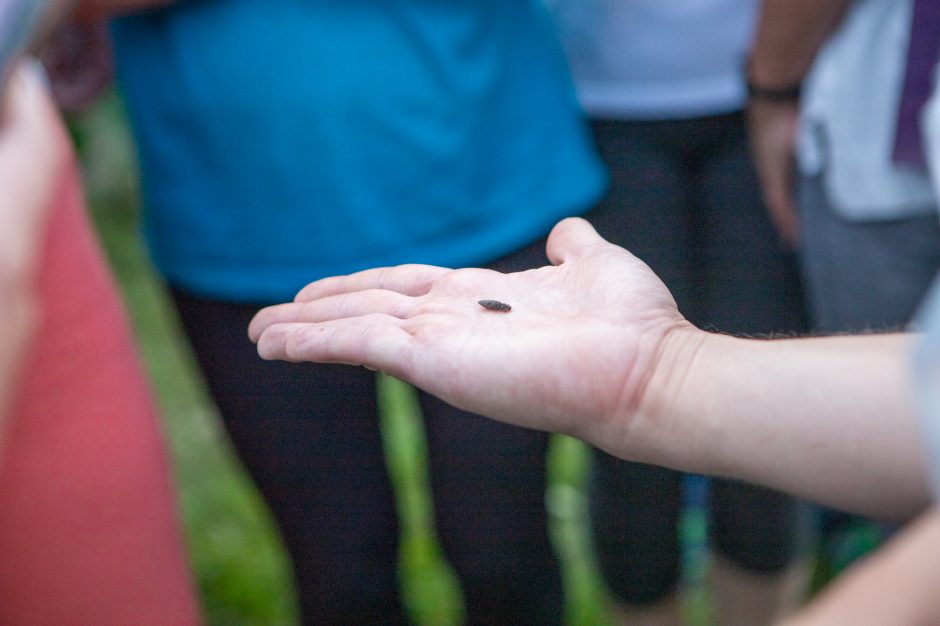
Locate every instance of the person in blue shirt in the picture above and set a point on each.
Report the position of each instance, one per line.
(281, 141)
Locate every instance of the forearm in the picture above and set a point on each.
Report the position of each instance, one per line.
(595, 347)
(828, 419)
(897, 585)
(789, 33)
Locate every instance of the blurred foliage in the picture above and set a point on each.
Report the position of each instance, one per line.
(239, 564)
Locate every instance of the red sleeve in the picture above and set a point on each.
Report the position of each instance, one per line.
(88, 527)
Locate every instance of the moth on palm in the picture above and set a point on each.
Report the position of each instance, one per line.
(495, 305)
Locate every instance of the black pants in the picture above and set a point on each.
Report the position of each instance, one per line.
(690, 207)
(309, 436)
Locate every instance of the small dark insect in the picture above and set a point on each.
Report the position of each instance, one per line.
(495, 305)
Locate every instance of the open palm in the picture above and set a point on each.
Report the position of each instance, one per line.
(577, 347)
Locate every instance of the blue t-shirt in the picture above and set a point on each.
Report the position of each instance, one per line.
(281, 141)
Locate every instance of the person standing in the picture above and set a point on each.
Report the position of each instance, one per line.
(88, 520)
(836, 131)
(282, 141)
(663, 86)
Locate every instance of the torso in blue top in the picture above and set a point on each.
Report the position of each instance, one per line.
(285, 140)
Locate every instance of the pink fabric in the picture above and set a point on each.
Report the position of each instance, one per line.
(88, 530)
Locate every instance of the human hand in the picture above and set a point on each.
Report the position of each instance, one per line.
(31, 161)
(32, 156)
(594, 347)
(773, 128)
(574, 355)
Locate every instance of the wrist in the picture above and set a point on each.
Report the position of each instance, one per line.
(788, 94)
(685, 409)
(766, 85)
(657, 429)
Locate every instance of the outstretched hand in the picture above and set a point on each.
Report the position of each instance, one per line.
(573, 354)
(594, 347)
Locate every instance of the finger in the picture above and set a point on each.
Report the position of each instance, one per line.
(346, 305)
(30, 149)
(28, 107)
(571, 237)
(33, 152)
(375, 341)
(411, 280)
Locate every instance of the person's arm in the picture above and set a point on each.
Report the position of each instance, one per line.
(789, 33)
(595, 347)
(828, 419)
(31, 160)
(896, 585)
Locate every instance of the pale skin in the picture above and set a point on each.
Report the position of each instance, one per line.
(788, 36)
(896, 585)
(432, 344)
(789, 33)
(31, 162)
(595, 347)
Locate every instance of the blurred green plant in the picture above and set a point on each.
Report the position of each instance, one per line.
(239, 564)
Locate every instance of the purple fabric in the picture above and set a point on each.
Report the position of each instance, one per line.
(922, 55)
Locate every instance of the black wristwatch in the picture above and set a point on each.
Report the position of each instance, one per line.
(783, 95)
(788, 94)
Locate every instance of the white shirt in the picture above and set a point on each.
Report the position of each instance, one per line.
(850, 109)
(657, 59)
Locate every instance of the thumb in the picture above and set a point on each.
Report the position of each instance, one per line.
(570, 238)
